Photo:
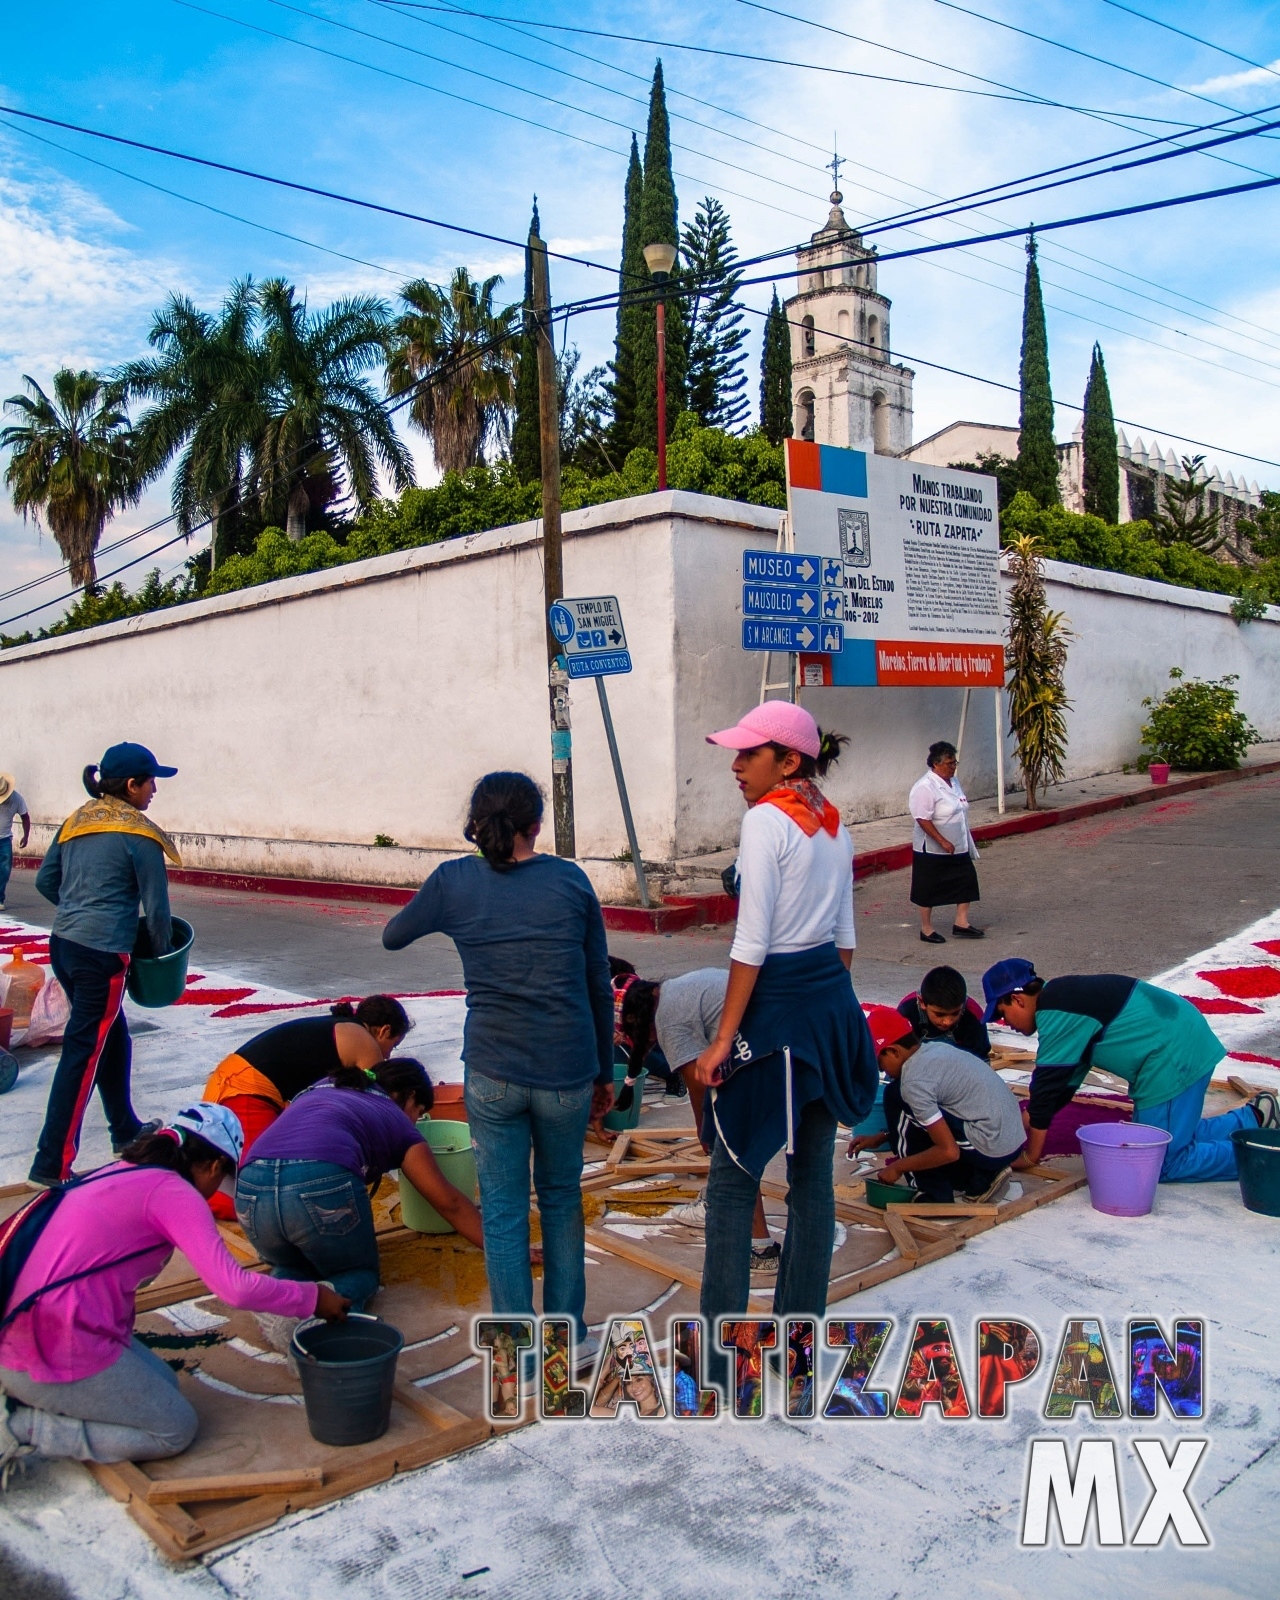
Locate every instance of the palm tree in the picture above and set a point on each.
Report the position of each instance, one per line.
(456, 333)
(207, 383)
(72, 462)
(325, 432)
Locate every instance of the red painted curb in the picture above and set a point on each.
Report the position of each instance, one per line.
(678, 911)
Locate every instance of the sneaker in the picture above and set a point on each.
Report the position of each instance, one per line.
(1266, 1107)
(675, 1089)
(692, 1215)
(587, 1351)
(154, 1126)
(277, 1330)
(12, 1450)
(994, 1191)
(766, 1257)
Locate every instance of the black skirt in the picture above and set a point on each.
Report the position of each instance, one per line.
(943, 880)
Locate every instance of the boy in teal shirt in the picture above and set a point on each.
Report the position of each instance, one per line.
(1154, 1039)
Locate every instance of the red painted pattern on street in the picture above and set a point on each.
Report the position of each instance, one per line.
(1223, 1008)
(1247, 1055)
(1245, 983)
(1271, 946)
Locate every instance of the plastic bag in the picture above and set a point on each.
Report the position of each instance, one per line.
(50, 1013)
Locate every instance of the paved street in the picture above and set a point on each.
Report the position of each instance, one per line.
(1131, 891)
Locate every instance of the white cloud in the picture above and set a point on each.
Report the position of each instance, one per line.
(1239, 80)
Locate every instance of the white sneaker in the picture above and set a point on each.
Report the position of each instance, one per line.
(587, 1351)
(692, 1215)
(12, 1450)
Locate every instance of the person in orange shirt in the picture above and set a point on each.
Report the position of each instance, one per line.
(259, 1079)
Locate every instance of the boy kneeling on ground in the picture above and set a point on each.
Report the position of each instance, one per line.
(954, 1123)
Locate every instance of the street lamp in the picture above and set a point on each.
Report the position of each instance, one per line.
(660, 258)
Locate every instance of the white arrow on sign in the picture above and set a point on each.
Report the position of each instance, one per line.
(806, 637)
(806, 569)
(805, 604)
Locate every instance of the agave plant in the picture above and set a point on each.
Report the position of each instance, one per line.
(1035, 661)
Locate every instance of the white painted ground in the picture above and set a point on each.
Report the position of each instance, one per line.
(880, 1510)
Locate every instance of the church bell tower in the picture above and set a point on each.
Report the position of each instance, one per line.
(845, 389)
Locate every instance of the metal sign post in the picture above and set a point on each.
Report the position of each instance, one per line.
(589, 631)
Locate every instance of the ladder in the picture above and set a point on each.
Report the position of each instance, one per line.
(786, 542)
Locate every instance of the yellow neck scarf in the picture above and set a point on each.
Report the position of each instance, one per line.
(109, 815)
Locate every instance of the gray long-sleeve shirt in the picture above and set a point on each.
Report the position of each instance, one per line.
(97, 883)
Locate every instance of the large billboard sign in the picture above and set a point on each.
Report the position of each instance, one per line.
(918, 551)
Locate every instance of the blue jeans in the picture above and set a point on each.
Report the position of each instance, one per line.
(1201, 1148)
(6, 865)
(311, 1220)
(805, 1267)
(509, 1122)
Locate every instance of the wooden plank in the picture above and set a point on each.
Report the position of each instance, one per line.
(232, 1486)
(14, 1191)
(624, 1174)
(1054, 1174)
(907, 1243)
(639, 1255)
(619, 1148)
(430, 1407)
(170, 1526)
(957, 1210)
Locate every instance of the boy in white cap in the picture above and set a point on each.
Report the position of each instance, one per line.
(12, 806)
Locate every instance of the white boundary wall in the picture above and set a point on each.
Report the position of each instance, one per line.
(307, 715)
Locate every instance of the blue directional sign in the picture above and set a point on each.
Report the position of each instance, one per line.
(788, 568)
(591, 634)
(818, 638)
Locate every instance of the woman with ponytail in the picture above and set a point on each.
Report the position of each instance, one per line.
(258, 1080)
(106, 859)
(538, 1043)
(74, 1382)
(791, 1055)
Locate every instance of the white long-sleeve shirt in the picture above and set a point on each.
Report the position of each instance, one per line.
(796, 891)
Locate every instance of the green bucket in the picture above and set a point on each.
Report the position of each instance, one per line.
(450, 1144)
(157, 981)
(882, 1195)
(1258, 1161)
(616, 1121)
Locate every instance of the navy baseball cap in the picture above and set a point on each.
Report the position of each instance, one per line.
(132, 761)
(1002, 980)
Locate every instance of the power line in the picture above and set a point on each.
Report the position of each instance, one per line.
(1085, 55)
(450, 94)
(1195, 38)
(1021, 96)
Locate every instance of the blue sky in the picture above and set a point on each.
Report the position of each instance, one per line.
(1185, 302)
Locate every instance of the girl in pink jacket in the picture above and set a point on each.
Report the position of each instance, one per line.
(74, 1382)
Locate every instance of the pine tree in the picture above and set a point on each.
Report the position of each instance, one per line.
(659, 223)
(633, 278)
(715, 381)
(775, 375)
(1037, 453)
(1101, 459)
(526, 442)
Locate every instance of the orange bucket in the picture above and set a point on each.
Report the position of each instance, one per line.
(449, 1105)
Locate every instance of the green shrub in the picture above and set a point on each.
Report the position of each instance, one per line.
(1196, 725)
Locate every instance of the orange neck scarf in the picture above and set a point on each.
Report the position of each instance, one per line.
(806, 805)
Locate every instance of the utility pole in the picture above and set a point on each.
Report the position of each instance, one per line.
(552, 554)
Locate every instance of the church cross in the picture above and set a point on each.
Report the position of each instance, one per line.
(834, 165)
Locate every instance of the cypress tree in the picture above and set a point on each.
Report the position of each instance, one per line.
(1101, 459)
(714, 380)
(775, 375)
(659, 223)
(526, 442)
(1037, 453)
(633, 277)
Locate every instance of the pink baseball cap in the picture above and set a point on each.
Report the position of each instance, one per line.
(773, 722)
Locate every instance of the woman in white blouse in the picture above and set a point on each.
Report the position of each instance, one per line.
(792, 1055)
(942, 848)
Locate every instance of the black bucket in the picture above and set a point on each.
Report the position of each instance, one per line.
(348, 1370)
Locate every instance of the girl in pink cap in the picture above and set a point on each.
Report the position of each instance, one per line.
(792, 1055)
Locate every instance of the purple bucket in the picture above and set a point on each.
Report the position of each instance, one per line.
(1122, 1162)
